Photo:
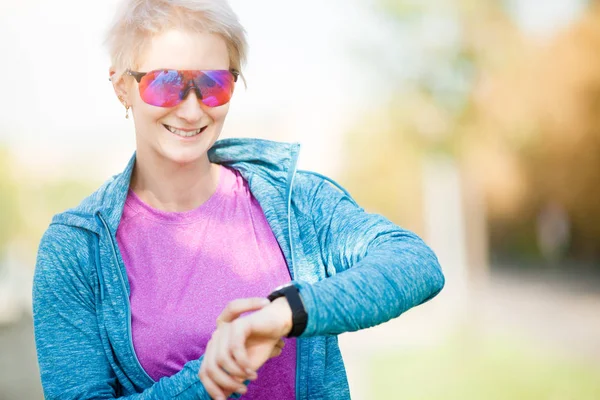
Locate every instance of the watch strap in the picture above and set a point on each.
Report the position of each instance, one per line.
(299, 315)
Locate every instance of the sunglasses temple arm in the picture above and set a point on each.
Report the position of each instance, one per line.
(235, 74)
(137, 75)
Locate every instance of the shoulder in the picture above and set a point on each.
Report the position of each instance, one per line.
(107, 196)
(65, 254)
(63, 240)
(318, 196)
(62, 281)
(315, 187)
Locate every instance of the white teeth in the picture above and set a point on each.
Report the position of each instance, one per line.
(183, 133)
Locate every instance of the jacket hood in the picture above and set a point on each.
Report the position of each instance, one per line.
(265, 160)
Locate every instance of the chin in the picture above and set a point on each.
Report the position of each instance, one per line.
(183, 156)
(186, 153)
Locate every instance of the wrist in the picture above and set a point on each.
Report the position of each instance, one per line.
(284, 314)
(294, 303)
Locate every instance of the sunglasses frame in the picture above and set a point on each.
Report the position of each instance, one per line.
(139, 75)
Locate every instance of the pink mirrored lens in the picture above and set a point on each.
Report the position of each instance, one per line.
(216, 87)
(167, 88)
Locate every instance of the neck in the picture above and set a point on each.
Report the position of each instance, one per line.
(168, 186)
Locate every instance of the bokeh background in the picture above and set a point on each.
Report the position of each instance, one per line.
(475, 123)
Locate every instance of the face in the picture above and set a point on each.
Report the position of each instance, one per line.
(164, 132)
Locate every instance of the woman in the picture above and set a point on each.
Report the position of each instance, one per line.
(154, 287)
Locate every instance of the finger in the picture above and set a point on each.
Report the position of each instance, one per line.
(278, 349)
(237, 307)
(226, 382)
(211, 387)
(238, 335)
(224, 356)
(276, 352)
(215, 371)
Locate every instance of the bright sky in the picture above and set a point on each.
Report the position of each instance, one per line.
(59, 111)
(306, 82)
(542, 18)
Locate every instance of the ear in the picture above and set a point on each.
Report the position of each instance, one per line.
(120, 85)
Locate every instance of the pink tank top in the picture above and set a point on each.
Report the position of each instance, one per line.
(184, 267)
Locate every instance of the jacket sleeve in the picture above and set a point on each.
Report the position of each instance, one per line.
(381, 269)
(71, 357)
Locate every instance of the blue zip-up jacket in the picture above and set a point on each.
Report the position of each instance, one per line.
(354, 270)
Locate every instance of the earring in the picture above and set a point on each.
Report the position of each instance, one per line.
(126, 107)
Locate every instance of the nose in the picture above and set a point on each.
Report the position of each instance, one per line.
(190, 109)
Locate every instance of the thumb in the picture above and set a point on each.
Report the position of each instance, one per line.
(237, 307)
(276, 352)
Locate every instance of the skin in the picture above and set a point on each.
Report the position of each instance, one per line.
(171, 173)
(241, 345)
(175, 174)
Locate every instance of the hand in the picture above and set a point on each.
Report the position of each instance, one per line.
(253, 337)
(251, 340)
(237, 307)
(221, 376)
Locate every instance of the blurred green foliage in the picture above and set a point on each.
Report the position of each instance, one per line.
(519, 115)
(493, 368)
(40, 201)
(28, 203)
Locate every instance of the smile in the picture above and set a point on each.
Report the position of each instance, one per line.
(184, 133)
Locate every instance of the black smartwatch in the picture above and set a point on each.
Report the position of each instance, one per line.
(299, 316)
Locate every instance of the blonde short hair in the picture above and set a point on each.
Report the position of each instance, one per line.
(136, 21)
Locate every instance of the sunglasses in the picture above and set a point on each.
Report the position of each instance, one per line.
(169, 87)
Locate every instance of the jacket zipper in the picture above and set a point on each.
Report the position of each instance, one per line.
(114, 251)
(289, 216)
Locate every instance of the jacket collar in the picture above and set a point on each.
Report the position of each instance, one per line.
(273, 162)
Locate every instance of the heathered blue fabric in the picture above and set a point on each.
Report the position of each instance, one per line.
(354, 269)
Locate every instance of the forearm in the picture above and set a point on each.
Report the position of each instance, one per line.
(387, 282)
(183, 385)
